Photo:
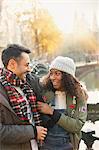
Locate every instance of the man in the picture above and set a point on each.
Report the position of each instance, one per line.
(19, 118)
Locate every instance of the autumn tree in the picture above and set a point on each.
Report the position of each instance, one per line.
(45, 35)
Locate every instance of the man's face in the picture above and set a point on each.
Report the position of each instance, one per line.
(20, 66)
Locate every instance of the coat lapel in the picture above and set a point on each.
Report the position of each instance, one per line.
(5, 102)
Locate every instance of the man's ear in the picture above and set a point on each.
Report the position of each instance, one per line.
(12, 64)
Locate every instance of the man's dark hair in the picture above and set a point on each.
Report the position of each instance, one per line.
(13, 51)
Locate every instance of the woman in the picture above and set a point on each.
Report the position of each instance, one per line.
(65, 105)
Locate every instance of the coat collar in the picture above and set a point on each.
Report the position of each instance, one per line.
(50, 95)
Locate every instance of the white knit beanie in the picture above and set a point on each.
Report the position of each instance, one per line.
(64, 64)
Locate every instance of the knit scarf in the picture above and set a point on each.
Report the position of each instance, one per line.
(18, 103)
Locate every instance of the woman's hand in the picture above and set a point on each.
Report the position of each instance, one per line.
(45, 108)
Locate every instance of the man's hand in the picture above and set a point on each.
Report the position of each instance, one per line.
(41, 132)
(45, 108)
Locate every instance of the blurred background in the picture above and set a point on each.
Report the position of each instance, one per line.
(58, 27)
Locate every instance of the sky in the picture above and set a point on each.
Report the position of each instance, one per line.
(63, 11)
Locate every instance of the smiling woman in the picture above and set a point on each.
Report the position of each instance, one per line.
(64, 111)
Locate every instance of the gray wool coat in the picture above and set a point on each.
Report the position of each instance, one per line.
(14, 135)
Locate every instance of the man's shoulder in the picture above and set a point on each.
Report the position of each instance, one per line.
(34, 83)
(32, 79)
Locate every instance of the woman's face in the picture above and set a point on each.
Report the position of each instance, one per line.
(56, 79)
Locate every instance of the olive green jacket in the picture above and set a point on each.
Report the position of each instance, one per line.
(77, 114)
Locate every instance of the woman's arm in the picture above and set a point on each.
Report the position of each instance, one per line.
(71, 124)
(49, 116)
(75, 123)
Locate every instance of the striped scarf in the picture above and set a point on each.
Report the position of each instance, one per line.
(17, 101)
